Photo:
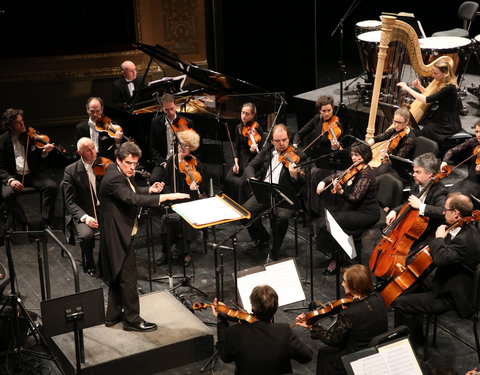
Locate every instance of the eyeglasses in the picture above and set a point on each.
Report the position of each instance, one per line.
(399, 122)
(448, 209)
(280, 140)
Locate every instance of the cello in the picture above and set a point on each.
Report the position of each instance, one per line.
(421, 263)
(399, 236)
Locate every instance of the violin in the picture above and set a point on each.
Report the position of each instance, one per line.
(331, 127)
(100, 166)
(251, 133)
(179, 125)
(290, 156)
(231, 313)
(41, 140)
(395, 140)
(399, 236)
(421, 263)
(476, 151)
(104, 124)
(330, 308)
(348, 175)
(188, 167)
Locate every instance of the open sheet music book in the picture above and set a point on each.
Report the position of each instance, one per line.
(394, 358)
(281, 276)
(210, 211)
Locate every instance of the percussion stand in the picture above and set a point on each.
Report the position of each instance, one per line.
(341, 64)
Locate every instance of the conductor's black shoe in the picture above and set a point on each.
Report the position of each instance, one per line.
(142, 326)
(161, 260)
(111, 323)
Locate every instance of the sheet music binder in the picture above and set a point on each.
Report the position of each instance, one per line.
(222, 209)
(392, 357)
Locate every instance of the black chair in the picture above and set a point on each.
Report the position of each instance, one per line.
(456, 139)
(424, 145)
(390, 190)
(394, 334)
(475, 303)
(467, 12)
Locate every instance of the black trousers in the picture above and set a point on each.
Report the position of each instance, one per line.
(86, 236)
(122, 293)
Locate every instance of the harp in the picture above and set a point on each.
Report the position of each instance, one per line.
(394, 30)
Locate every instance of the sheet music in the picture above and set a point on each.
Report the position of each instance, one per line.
(205, 211)
(393, 359)
(281, 276)
(343, 239)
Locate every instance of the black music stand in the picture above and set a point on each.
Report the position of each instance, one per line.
(335, 161)
(73, 313)
(18, 308)
(285, 196)
(389, 112)
(403, 167)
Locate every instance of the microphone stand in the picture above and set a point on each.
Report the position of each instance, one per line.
(341, 64)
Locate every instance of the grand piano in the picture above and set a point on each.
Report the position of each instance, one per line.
(212, 100)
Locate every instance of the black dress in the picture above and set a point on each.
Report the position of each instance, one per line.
(355, 327)
(444, 120)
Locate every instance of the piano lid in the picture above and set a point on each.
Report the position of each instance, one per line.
(214, 80)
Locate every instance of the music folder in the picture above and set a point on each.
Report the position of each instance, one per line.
(394, 357)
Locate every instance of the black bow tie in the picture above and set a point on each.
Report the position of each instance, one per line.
(129, 82)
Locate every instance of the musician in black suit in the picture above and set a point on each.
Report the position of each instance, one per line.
(123, 88)
(431, 204)
(161, 139)
(261, 347)
(104, 143)
(21, 164)
(455, 254)
(81, 202)
(261, 168)
(120, 198)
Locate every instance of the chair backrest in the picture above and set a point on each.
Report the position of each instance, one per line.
(389, 191)
(396, 333)
(467, 13)
(424, 145)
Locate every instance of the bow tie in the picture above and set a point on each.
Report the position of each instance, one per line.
(129, 82)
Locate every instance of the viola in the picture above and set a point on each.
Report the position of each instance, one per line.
(104, 124)
(418, 268)
(100, 166)
(231, 313)
(348, 175)
(333, 129)
(288, 157)
(330, 308)
(476, 151)
(41, 140)
(188, 166)
(395, 140)
(398, 237)
(251, 133)
(179, 125)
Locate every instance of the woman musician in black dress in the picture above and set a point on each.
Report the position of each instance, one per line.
(248, 137)
(400, 141)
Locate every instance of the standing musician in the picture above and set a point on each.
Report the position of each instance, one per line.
(352, 201)
(444, 120)
(120, 198)
(430, 204)
(262, 347)
(104, 143)
(124, 86)
(267, 166)
(363, 319)
(470, 184)
(188, 175)
(455, 253)
(161, 139)
(81, 201)
(400, 142)
(248, 136)
(20, 166)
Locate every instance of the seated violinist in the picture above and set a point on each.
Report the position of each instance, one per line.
(21, 165)
(426, 196)
(247, 137)
(470, 184)
(268, 166)
(161, 139)
(105, 142)
(262, 347)
(81, 203)
(184, 174)
(455, 254)
(352, 200)
(399, 141)
(357, 324)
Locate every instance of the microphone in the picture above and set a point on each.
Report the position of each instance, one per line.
(357, 139)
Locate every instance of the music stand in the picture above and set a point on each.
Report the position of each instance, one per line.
(286, 195)
(389, 112)
(403, 167)
(335, 161)
(73, 313)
